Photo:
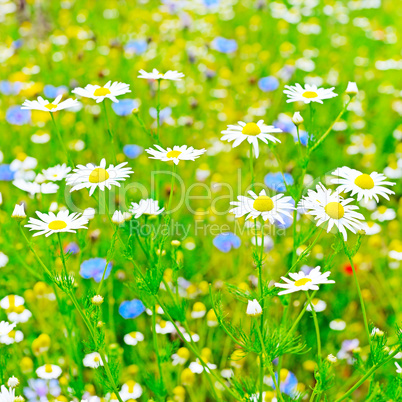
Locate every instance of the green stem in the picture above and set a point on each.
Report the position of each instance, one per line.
(367, 375)
(251, 167)
(109, 254)
(111, 135)
(276, 383)
(63, 146)
(358, 290)
(62, 256)
(317, 328)
(155, 341)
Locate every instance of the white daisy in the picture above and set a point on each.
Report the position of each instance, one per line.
(272, 209)
(46, 106)
(318, 305)
(310, 93)
(18, 314)
(329, 207)
(3, 260)
(133, 338)
(197, 368)
(48, 372)
(164, 327)
(147, 207)
(304, 282)
(35, 188)
(156, 75)
(19, 212)
(177, 154)
(11, 301)
(92, 176)
(12, 337)
(371, 228)
(253, 308)
(130, 390)
(93, 360)
(181, 357)
(364, 185)
(384, 214)
(398, 368)
(252, 132)
(50, 223)
(56, 173)
(6, 327)
(7, 395)
(100, 93)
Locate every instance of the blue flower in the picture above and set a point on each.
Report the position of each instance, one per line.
(94, 267)
(38, 389)
(17, 116)
(276, 182)
(289, 385)
(52, 92)
(72, 248)
(132, 151)
(10, 88)
(303, 137)
(211, 3)
(131, 309)
(226, 241)
(6, 174)
(224, 45)
(267, 84)
(124, 107)
(136, 46)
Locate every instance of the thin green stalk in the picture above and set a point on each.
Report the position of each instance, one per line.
(322, 138)
(63, 146)
(62, 256)
(251, 167)
(276, 383)
(155, 341)
(114, 238)
(109, 128)
(367, 375)
(366, 327)
(317, 328)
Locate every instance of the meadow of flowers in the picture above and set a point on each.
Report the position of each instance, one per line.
(200, 200)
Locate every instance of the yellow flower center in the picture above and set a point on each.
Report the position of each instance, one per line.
(173, 154)
(130, 385)
(162, 324)
(101, 91)
(50, 106)
(98, 175)
(310, 94)
(96, 359)
(382, 209)
(302, 281)
(48, 368)
(12, 334)
(251, 129)
(364, 181)
(335, 210)
(133, 335)
(57, 225)
(263, 203)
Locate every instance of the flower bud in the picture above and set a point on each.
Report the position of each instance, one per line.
(13, 382)
(297, 119)
(97, 300)
(332, 358)
(254, 308)
(352, 88)
(118, 218)
(19, 212)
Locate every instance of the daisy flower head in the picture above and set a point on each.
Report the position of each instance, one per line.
(46, 106)
(50, 223)
(271, 209)
(6, 327)
(327, 206)
(7, 395)
(252, 132)
(304, 282)
(93, 360)
(156, 75)
(130, 390)
(177, 154)
(34, 188)
(145, 207)
(56, 173)
(92, 176)
(133, 338)
(48, 372)
(110, 90)
(367, 186)
(310, 93)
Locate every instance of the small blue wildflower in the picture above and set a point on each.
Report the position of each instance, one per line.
(53, 92)
(138, 46)
(226, 241)
(17, 116)
(6, 174)
(72, 248)
(10, 88)
(94, 267)
(268, 84)
(224, 45)
(132, 151)
(211, 3)
(125, 107)
(39, 390)
(164, 114)
(276, 181)
(303, 137)
(131, 309)
(289, 385)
